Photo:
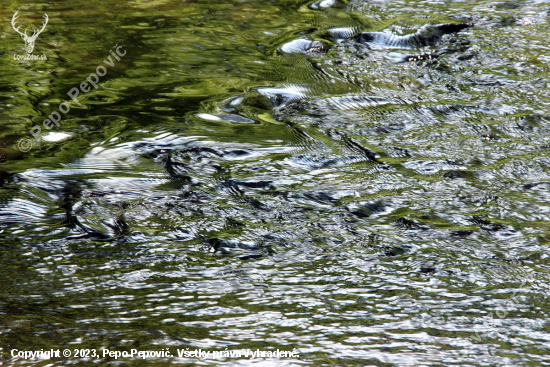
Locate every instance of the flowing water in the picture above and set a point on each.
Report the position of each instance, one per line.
(364, 183)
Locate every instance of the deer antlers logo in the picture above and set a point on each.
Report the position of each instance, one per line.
(29, 40)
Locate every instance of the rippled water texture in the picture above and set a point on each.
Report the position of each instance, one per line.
(365, 182)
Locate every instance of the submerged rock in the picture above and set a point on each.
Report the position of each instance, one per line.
(425, 36)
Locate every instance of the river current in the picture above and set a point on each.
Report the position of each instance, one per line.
(359, 183)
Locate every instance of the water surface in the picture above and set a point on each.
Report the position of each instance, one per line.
(364, 182)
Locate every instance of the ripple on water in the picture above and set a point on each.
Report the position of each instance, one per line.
(366, 182)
